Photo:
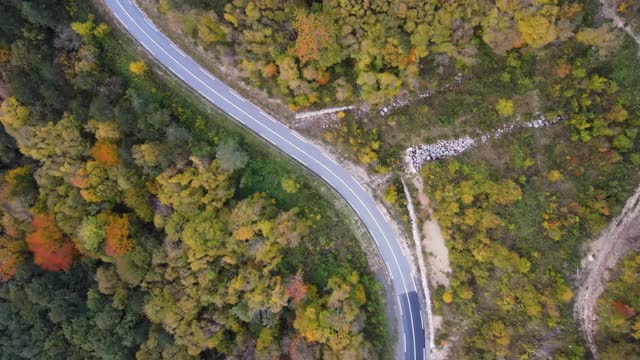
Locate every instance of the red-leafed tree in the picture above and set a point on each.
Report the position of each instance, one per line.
(623, 309)
(296, 289)
(51, 251)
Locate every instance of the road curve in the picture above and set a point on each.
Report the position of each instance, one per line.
(288, 141)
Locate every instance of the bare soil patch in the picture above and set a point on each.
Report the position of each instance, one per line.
(432, 241)
(438, 253)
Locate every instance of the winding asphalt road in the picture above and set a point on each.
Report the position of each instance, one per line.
(289, 142)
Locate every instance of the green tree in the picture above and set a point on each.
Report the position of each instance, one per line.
(91, 234)
(230, 155)
(290, 185)
(209, 31)
(504, 107)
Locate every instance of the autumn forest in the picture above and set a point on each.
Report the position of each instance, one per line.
(137, 222)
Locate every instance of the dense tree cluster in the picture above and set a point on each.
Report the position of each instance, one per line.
(145, 242)
(514, 262)
(322, 52)
(597, 111)
(62, 315)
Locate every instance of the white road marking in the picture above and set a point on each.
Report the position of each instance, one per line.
(236, 95)
(149, 50)
(298, 159)
(151, 24)
(399, 305)
(208, 75)
(299, 137)
(300, 150)
(388, 268)
(119, 19)
(267, 116)
(208, 98)
(330, 159)
(178, 50)
(240, 120)
(421, 322)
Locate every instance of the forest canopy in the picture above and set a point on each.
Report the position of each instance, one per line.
(345, 51)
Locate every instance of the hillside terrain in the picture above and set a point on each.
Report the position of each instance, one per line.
(517, 210)
(134, 223)
(129, 212)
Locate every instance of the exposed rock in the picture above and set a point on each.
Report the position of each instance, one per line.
(310, 114)
(417, 156)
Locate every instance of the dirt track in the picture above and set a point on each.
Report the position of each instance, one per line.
(602, 255)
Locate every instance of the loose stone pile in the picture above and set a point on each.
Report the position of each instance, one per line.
(417, 156)
(543, 121)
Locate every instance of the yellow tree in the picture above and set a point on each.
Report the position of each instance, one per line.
(138, 67)
(504, 107)
(209, 31)
(290, 185)
(537, 31)
(13, 115)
